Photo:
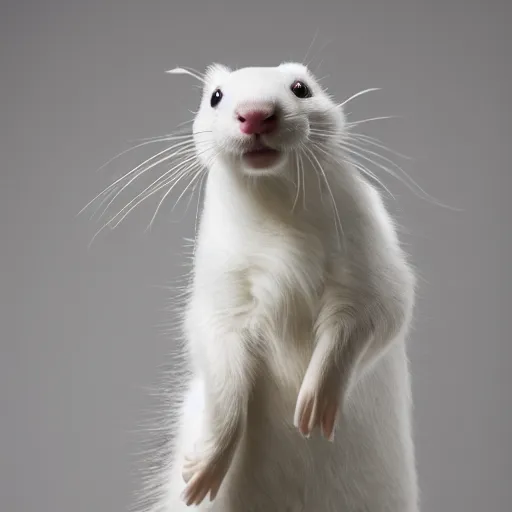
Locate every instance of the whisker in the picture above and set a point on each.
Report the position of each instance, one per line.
(164, 137)
(174, 173)
(355, 146)
(381, 166)
(377, 143)
(192, 182)
(323, 133)
(318, 65)
(371, 175)
(148, 192)
(358, 166)
(310, 48)
(176, 133)
(201, 184)
(319, 127)
(320, 50)
(198, 172)
(180, 152)
(144, 142)
(108, 195)
(184, 151)
(356, 123)
(298, 183)
(357, 94)
(292, 117)
(335, 207)
(126, 210)
(349, 145)
(303, 174)
(201, 170)
(135, 169)
(193, 191)
(149, 189)
(408, 181)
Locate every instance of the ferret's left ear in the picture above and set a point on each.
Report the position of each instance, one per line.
(215, 72)
(187, 71)
(218, 68)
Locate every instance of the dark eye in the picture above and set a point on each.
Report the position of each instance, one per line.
(216, 97)
(301, 90)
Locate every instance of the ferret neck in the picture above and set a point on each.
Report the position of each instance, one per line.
(284, 195)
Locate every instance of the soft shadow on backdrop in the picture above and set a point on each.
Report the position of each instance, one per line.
(81, 335)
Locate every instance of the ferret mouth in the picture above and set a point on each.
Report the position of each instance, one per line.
(260, 156)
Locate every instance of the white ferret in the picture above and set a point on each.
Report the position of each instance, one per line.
(299, 308)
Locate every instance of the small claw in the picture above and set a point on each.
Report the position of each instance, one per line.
(312, 411)
(304, 424)
(329, 421)
(203, 477)
(215, 489)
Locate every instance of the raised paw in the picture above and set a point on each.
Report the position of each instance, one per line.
(203, 475)
(317, 406)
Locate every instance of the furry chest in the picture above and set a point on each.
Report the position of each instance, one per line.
(286, 282)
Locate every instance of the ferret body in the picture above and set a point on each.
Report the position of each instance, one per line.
(299, 309)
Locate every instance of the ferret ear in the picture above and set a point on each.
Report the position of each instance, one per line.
(218, 68)
(187, 71)
(216, 72)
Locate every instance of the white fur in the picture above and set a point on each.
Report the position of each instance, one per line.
(290, 309)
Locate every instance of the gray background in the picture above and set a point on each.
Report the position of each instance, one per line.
(81, 336)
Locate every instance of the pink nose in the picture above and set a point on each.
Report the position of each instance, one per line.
(257, 119)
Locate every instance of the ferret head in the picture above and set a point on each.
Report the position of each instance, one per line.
(258, 119)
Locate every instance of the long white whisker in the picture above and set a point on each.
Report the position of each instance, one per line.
(181, 167)
(356, 123)
(303, 174)
(335, 207)
(310, 47)
(357, 94)
(126, 210)
(143, 142)
(381, 166)
(135, 169)
(375, 142)
(108, 195)
(378, 155)
(198, 172)
(198, 183)
(148, 192)
(181, 152)
(349, 145)
(177, 173)
(192, 181)
(175, 134)
(371, 175)
(298, 182)
(359, 151)
(357, 165)
(323, 131)
(201, 183)
(408, 181)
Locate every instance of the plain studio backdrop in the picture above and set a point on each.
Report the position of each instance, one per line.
(82, 329)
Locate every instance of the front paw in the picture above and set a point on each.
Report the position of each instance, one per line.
(204, 473)
(318, 404)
